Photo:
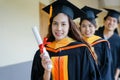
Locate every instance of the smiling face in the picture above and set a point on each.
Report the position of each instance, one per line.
(87, 28)
(60, 26)
(110, 23)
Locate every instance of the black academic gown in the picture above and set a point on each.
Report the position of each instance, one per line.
(102, 49)
(80, 64)
(114, 41)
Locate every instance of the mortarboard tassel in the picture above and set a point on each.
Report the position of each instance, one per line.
(51, 9)
(50, 15)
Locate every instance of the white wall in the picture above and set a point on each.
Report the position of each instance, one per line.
(17, 43)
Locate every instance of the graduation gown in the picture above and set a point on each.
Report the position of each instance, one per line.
(72, 61)
(114, 41)
(102, 48)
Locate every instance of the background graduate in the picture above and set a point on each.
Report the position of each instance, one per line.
(70, 57)
(99, 46)
(111, 12)
(111, 21)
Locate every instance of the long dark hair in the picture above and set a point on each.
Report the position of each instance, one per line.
(73, 30)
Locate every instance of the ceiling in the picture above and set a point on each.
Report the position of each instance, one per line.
(109, 4)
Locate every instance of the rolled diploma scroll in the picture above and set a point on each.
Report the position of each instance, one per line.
(39, 41)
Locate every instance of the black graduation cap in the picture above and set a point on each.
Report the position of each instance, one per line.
(91, 13)
(64, 6)
(112, 13)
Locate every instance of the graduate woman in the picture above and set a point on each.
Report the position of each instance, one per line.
(99, 46)
(111, 21)
(70, 57)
